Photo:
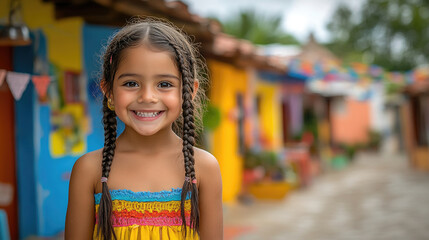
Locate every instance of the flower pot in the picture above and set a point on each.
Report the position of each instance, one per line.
(270, 190)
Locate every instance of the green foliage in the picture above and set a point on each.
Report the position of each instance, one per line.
(266, 159)
(310, 122)
(393, 88)
(251, 160)
(350, 150)
(211, 118)
(373, 143)
(257, 28)
(374, 140)
(389, 33)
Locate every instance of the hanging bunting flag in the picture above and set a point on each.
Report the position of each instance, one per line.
(409, 77)
(318, 70)
(295, 66)
(421, 74)
(375, 71)
(2, 75)
(306, 68)
(357, 72)
(397, 77)
(387, 76)
(360, 68)
(41, 83)
(17, 83)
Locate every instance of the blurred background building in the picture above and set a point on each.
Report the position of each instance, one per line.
(281, 112)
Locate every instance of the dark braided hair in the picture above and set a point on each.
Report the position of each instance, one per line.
(186, 65)
(105, 206)
(165, 37)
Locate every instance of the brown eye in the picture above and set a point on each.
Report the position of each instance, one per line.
(165, 84)
(130, 84)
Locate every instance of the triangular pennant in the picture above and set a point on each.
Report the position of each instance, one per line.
(17, 83)
(2, 75)
(41, 83)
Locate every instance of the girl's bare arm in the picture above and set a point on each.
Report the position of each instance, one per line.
(210, 196)
(80, 209)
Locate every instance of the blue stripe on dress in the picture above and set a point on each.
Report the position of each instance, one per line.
(162, 196)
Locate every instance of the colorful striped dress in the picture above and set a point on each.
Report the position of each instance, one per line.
(146, 215)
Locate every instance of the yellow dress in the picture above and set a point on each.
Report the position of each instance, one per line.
(146, 215)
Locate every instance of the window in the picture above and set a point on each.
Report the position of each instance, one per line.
(72, 87)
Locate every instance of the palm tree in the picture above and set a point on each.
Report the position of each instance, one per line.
(257, 28)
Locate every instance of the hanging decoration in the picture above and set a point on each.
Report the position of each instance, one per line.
(41, 83)
(357, 72)
(18, 83)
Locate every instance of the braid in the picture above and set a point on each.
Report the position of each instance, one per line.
(186, 65)
(105, 207)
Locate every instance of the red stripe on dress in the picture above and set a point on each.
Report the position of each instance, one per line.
(164, 218)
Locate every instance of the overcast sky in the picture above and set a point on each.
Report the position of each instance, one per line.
(300, 17)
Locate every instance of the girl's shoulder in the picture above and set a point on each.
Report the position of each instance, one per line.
(206, 165)
(87, 168)
(204, 158)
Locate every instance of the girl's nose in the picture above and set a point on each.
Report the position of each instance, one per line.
(147, 95)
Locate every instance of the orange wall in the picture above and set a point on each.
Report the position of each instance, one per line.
(351, 122)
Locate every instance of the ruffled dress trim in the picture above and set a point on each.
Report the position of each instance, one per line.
(145, 196)
(147, 215)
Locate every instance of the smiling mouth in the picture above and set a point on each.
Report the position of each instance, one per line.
(147, 114)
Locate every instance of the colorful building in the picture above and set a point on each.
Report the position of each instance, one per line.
(234, 91)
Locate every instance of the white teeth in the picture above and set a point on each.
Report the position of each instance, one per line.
(147, 114)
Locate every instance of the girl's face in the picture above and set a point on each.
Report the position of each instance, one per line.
(147, 90)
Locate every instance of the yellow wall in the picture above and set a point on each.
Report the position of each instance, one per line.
(64, 37)
(226, 81)
(271, 114)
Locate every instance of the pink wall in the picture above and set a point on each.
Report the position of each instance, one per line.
(350, 120)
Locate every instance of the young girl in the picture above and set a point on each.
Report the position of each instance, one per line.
(148, 183)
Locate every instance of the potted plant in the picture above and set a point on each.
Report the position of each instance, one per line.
(265, 175)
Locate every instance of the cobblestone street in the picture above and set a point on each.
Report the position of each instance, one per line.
(375, 197)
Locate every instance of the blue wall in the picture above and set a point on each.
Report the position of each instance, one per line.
(24, 144)
(95, 38)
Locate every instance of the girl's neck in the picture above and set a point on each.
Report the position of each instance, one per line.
(131, 141)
